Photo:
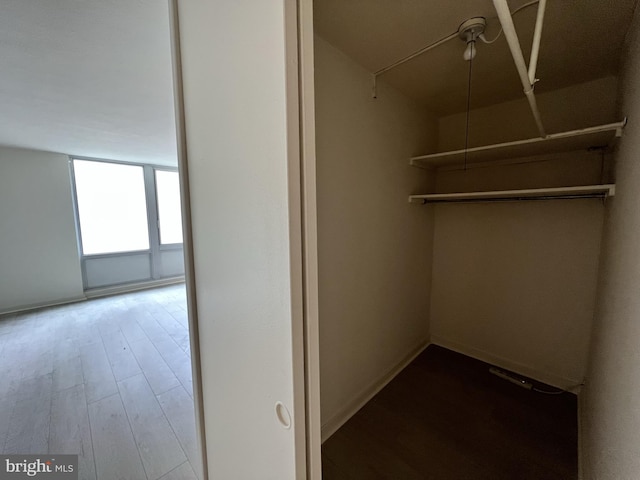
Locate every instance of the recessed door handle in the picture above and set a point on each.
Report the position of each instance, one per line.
(283, 415)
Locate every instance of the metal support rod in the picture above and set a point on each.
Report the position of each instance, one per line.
(535, 47)
(531, 98)
(504, 14)
(417, 52)
(409, 57)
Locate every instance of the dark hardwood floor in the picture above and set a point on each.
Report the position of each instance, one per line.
(446, 417)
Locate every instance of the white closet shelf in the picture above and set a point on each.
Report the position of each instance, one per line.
(584, 138)
(586, 191)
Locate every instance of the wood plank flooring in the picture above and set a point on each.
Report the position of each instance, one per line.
(108, 379)
(446, 417)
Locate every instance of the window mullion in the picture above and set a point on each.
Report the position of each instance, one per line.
(152, 220)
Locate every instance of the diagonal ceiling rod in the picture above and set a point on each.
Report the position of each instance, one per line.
(535, 47)
(504, 15)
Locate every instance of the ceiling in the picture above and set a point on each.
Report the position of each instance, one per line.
(93, 77)
(581, 40)
(88, 77)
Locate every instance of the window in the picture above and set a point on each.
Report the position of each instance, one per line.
(129, 222)
(168, 198)
(112, 207)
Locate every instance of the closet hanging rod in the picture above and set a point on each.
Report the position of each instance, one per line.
(552, 193)
(513, 199)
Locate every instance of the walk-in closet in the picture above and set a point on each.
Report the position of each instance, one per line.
(469, 160)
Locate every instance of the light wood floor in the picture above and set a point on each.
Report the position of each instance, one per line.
(108, 379)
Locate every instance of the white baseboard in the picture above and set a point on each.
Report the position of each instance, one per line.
(552, 379)
(94, 293)
(39, 305)
(336, 421)
(132, 287)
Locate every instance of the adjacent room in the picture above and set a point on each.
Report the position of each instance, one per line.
(95, 351)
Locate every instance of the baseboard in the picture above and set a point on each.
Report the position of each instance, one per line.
(336, 421)
(41, 305)
(132, 287)
(94, 293)
(552, 379)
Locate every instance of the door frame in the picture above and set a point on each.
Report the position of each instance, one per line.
(187, 238)
(298, 22)
(307, 136)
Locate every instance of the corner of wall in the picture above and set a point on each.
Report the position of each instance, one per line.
(360, 399)
(374, 257)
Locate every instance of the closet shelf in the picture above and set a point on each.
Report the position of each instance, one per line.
(598, 136)
(585, 191)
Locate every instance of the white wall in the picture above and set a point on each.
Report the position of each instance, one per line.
(39, 261)
(514, 283)
(374, 247)
(611, 413)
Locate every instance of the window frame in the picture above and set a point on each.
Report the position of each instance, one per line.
(164, 246)
(155, 249)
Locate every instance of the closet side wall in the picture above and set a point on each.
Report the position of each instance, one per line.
(514, 283)
(374, 248)
(610, 416)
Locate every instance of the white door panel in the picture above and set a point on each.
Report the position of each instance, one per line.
(244, 199)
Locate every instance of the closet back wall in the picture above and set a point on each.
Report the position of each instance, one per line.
(374, 248)
(514, 282)
(582, 105)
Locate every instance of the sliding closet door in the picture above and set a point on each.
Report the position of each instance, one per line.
(242, 156)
